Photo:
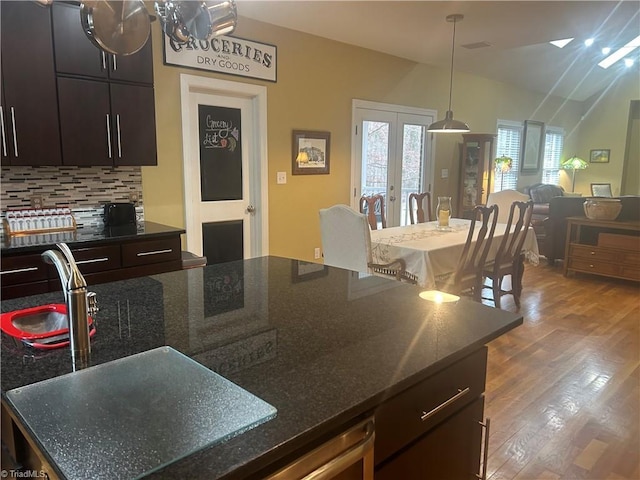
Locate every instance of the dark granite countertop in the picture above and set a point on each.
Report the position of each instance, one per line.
(323, 347)
(85, 236)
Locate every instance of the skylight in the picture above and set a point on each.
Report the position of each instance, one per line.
(561, 43)
(622, 52)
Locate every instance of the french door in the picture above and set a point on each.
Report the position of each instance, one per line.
(392, 154)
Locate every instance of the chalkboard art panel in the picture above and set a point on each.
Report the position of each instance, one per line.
(220, 153)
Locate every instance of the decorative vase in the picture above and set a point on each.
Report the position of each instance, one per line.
(597, 208)
(443, 212)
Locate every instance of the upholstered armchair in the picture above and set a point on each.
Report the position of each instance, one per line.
(541, 194)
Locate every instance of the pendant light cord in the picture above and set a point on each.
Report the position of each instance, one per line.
(453, 49)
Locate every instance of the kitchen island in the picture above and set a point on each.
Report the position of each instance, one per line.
(326, 347)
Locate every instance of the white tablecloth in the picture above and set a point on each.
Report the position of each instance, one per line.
(430, 253)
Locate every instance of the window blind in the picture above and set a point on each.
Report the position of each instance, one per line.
(508, 144)
(553, 144)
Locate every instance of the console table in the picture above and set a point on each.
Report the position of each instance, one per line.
(603, 247)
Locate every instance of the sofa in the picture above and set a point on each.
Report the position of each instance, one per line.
(561, 207)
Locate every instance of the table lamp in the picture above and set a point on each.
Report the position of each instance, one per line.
(574, 163)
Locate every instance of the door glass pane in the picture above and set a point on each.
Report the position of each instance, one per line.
(220, 153)
(375, 158)
(413, 150)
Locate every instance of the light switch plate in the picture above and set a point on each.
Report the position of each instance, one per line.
(281, 178)
(444, 173)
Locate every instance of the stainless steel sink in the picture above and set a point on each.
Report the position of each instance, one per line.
(45, 326)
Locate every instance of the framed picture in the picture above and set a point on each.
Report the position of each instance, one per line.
(532, 146)
(599, 156)
(310, 154)
(302, 271)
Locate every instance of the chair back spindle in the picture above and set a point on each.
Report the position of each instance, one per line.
(373, 207)
(420, 207)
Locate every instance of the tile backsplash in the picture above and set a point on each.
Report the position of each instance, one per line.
(84, 189)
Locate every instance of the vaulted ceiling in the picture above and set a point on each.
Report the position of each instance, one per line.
(505, 40)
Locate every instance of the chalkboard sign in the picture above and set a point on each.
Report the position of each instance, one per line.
(220, 153)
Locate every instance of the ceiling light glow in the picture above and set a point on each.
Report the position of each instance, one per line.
(628, 62)
(561, 43)
(588, 42)
(606, 50)
(620, 53)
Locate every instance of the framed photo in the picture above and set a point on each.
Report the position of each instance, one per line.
(532, 146)
(599, 156)
(302, 271)
(310, 154)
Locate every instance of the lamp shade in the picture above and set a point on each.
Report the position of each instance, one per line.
(574, 163)
(448, 125)
(503, 164)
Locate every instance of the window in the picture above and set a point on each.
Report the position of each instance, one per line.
(508, 144)
(553, 143)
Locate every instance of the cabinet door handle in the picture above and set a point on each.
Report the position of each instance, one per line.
(4, 137)
(427, 415)
(115, 63)
(109, 135)
(154, 252)
(104, 61)
(92, 260)
(118, 133)
(485, 449)
(19, 270)
(15, 137)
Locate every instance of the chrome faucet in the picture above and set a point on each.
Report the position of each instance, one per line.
(80, 303)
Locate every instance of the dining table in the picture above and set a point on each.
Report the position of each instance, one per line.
(431, 252)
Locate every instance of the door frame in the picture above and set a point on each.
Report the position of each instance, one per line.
(356, 167)
(258, 195)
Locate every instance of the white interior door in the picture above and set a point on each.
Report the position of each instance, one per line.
(224, 155)
(391, 155)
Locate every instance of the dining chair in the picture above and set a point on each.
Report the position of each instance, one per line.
(420, 207)
(373, 207)
(601, 190)
(468, 274)
(346, 243)
(504, 199)
(509, 259)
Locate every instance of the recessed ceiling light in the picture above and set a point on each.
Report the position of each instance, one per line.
(606, 50)
(588, 42)
(628, 62)
(620, 53)
(561, 43)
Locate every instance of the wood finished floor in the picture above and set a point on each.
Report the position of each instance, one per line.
(563, 389)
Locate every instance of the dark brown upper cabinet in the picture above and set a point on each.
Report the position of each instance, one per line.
(76, 55)
(115, 124)
(29, 110)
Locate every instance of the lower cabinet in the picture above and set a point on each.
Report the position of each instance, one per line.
(27, 274)
(449, 451)
(434, 429)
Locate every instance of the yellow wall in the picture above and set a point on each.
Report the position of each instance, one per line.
(605, 126)
(317, 81)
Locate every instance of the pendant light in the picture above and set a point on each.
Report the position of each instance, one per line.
(449, 124)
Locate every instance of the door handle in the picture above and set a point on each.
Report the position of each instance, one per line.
(392, 198)
(251, 209)
(15, 137)
(109, 136)
(4, 138)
